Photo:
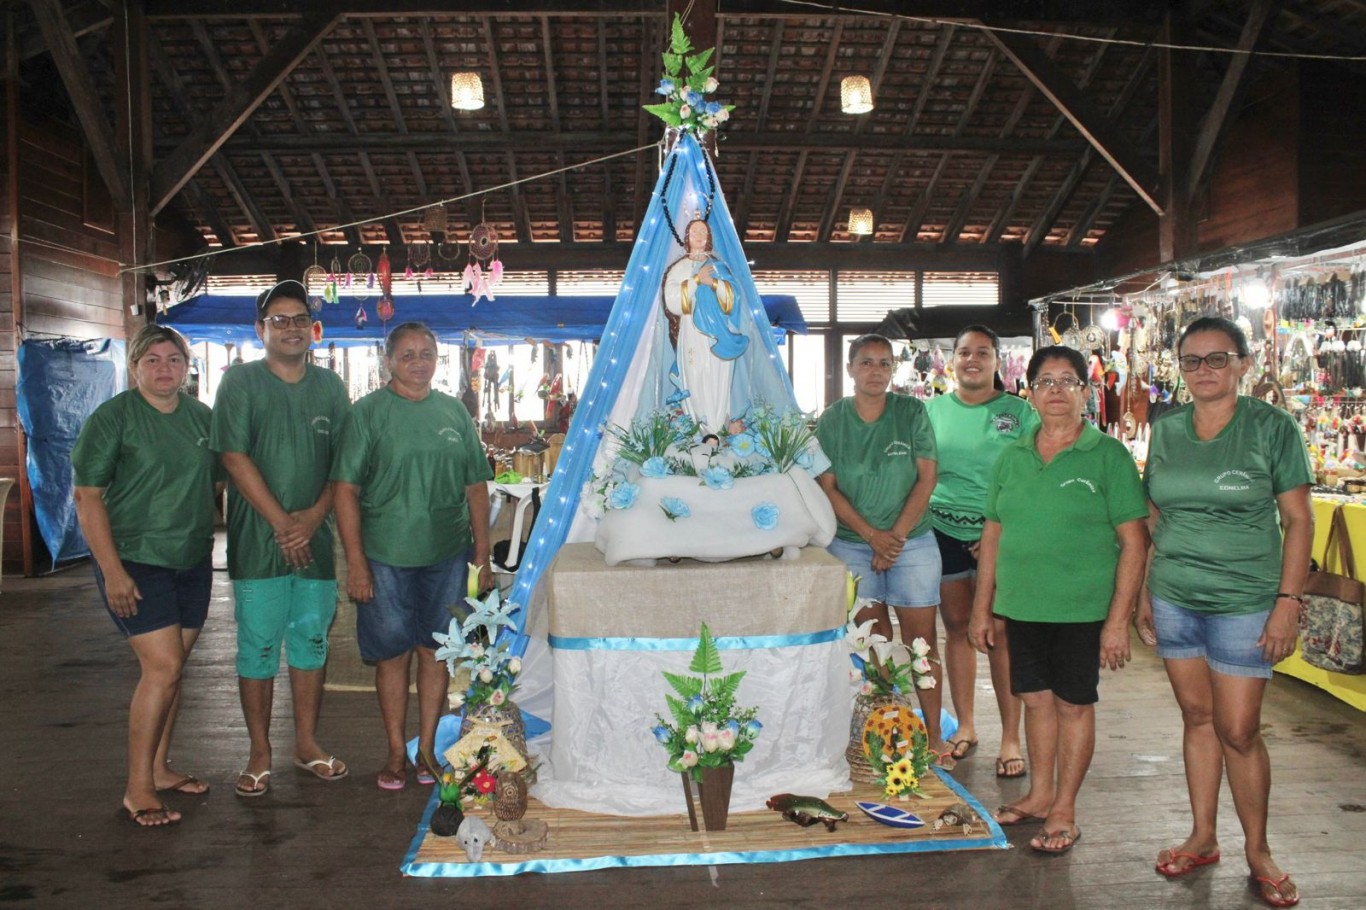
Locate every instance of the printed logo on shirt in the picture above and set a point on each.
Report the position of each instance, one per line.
(1233, 480)
(202, 442)
(1005, 423)
(450, 434)
(897, 447)
(1090, 485)
(322, 425)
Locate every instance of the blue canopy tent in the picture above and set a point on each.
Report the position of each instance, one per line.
(224, 319)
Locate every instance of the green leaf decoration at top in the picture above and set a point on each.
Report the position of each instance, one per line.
(678, 38)
(687, 85)
(706, 659)
(697, 61)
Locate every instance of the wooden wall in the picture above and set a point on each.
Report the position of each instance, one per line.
(67, 266)
(1332, 131)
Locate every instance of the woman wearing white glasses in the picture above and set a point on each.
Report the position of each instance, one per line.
(1226, 474)
(1064, 487)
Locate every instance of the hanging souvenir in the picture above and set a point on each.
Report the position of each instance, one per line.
(333, 281)
(358, 275)
(360, 318)
(484, 271)
(315, 283)
(385, 273)
(317, 331)
(385, 309)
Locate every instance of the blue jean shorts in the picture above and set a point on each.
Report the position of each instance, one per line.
(912, 581)
(170, 597)
(411, 602)
(1227, 642)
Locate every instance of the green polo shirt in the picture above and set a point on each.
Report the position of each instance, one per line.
(412, 461)
(1217, 545)
(875, 463)
(157, 472)
(288, 430)
(970, 438)
(1058, 552)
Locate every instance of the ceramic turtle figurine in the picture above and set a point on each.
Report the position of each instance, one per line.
(807, 810)
(956, 815)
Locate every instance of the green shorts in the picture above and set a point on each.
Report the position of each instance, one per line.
(297, 611)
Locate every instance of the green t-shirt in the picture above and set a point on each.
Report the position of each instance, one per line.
(970, 438)
(157, 472)
(412, 461)
(288, 431)
(1058, 551)
(874, 463)
(1217, 545)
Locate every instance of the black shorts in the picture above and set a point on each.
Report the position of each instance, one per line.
(170, 597)
(1058, 657)
(957, 560)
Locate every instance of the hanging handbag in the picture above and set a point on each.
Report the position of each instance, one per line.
(1331, 624)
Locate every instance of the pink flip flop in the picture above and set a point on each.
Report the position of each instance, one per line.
(391, 780)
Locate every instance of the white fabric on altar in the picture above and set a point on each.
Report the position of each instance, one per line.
(608, 627)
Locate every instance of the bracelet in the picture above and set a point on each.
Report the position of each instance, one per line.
(1298, 598)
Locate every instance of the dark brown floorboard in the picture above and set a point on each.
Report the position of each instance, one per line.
(65, 678)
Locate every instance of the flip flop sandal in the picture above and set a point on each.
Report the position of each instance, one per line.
(315, 768)
(262, 782)
(136, 815)
(1194, 860)
(1067, 837)
(1021, 816)
(1262, 883)
(391, 780)
(962, 748)
(1003, 767)
(425, 777)
(188, 780)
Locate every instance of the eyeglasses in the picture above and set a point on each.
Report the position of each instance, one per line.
(1217, 360)
(1066, 383)
(298, 320)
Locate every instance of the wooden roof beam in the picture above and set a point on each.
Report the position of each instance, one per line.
(1230, 90)
(377, 58)
(784, 223)
(775, 53)
(495, 74)
(80, 87)
(835, 206)
(236, 107)
(201, 203)
(303, 221)
(344, 213)
(740, 215)
(439, 78)
(954, 227)
(83, 19)
(521, 222)
(1089, 120)
(260, 224)
(916, 217)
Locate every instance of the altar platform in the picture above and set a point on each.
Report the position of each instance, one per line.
(614, 630)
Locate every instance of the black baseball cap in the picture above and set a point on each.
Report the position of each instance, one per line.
(291, 289)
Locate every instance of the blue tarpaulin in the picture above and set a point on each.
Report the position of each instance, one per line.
(223, 318)
(61, 382)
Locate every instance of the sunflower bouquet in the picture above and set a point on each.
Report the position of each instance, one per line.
(898, 749)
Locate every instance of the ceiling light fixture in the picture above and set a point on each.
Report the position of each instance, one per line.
(861, 221)
(467, 92)
(856, 95)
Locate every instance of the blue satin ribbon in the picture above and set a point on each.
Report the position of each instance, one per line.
(994, 839)
(728, 643)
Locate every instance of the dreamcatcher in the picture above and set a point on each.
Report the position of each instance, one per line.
(484, 271)
(359, 278)
(334, 277)
(315, 283)
(419, 258)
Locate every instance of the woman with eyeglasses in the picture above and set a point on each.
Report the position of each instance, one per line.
(145, 491)
(883, 466)
(972, 426)
(1063, 488)
(1228, 481)
(413, 513)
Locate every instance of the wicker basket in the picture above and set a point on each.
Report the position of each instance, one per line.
(864, 705)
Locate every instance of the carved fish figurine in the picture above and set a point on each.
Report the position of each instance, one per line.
(807, 810)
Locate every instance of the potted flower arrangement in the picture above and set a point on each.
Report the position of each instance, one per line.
(477, 644)
(888, 672)
(706, 733)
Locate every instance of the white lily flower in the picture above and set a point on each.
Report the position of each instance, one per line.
(860, 636)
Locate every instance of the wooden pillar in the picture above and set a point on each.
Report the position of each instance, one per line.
(1176, 127)
(16, 275)
(133, 136)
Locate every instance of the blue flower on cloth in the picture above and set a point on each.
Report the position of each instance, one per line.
(718, 478)
(661, 733)
(623, 496)
(743, 445)
(666, 87)
(655, 466)
(765, 516)
(674, 508)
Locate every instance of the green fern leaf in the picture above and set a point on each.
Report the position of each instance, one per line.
(706, 659)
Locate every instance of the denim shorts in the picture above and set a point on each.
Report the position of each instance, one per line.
(170, 597)
(958, 561)
(912, 581)
(1227, 642)
(411, 602)
(297, 611)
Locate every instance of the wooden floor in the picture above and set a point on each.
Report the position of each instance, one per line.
(65, 678)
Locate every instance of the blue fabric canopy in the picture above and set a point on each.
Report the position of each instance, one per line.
(225, 318)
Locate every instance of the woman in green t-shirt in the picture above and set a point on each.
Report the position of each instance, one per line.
(882, 469)
(1226, 475)
(146, 484)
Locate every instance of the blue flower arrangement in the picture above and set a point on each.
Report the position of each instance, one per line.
(688, 80)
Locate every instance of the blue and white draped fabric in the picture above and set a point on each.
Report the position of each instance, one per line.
(630, 374)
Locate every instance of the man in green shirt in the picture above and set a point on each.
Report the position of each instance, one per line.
(275, 424)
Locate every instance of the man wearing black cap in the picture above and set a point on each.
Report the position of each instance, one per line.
(275, 423)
